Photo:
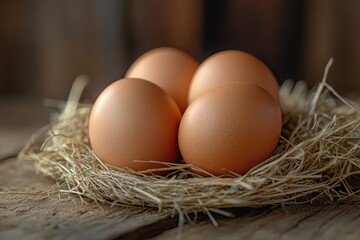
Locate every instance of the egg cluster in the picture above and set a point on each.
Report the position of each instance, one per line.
(223, 115)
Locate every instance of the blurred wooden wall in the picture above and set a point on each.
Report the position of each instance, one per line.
(15, 47)
(48, 43)
(332, 29)
(267, 29)
(75, 37)
(45, 44)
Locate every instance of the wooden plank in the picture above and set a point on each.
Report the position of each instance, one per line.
(319, 221)
(40, 216)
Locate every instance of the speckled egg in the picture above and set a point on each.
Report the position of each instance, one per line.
(133, 119)
(232, 127)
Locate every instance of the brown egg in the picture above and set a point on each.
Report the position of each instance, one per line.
(169, 68)
(133, 119)
(232, 66)
(230, 127)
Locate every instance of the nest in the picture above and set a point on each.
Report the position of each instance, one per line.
(316, 157)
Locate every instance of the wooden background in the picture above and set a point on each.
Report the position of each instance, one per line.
(45, 44)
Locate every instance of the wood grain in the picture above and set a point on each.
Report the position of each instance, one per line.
(39, 216)
(334, 221)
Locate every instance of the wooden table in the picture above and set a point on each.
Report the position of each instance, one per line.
(39, 216)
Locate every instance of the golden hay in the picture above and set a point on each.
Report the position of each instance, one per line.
(317, 153)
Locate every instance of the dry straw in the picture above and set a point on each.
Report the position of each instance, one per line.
(317, 154)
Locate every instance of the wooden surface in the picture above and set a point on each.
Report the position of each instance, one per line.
(39, 216)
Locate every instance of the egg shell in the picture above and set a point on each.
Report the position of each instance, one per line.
(133, 119)
(230, 127)
(232, 66)
(169, 68)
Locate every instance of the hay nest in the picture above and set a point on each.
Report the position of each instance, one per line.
(316, 155)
